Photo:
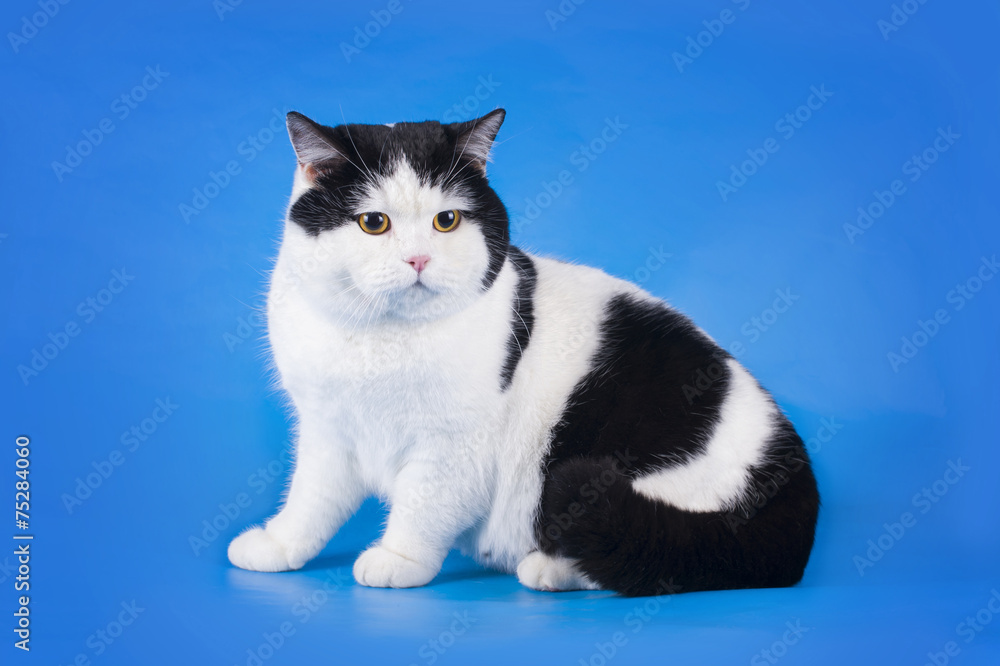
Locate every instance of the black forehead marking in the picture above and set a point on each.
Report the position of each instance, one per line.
(432, 149)
(436, 154)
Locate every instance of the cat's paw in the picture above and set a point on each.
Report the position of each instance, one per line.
(378, 567)
(551, 574)
(258, 550)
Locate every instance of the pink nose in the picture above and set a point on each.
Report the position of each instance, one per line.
(418, 262)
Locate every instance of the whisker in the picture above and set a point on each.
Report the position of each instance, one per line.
(360, 312)
(513, 335)
(347, 129)
(387, 134)
(377, 305)
(360, 294)
(454, 161)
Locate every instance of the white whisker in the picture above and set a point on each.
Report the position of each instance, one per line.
(371, 176)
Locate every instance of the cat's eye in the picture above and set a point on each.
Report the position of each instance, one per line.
(447, 220)
(374, 223)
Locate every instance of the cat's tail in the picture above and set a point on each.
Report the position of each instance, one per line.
(637, 546)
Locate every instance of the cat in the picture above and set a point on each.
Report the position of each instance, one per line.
(547, 418)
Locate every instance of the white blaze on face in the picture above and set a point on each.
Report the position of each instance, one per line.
(359, 267)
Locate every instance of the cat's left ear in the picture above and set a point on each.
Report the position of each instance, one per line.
(475, 137)
(314, 147)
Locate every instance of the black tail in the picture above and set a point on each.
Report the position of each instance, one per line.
(637, 546)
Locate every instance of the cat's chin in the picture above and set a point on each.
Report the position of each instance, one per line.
(420, 302)
(416, 293)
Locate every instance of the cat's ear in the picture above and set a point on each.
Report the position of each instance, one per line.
(314, 149)
(475, 137)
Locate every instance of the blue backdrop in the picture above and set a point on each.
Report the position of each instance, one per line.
(814, 183)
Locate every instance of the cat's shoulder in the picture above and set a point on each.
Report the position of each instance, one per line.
(562, 278)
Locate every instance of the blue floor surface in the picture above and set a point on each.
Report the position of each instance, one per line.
(814, 183)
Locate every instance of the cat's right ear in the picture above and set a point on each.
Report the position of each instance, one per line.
(314, 149)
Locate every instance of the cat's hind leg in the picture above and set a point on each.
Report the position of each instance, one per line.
(638, 546)
(552, 574)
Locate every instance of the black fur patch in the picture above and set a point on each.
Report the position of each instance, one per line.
(370, 152)
(651, 400)
(642, 399)
(524, 314)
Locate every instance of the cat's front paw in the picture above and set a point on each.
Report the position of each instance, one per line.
(258, 550)
(378, 567)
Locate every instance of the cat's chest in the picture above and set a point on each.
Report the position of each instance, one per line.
(388, 372)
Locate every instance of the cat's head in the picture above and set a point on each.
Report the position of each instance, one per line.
(394, 221)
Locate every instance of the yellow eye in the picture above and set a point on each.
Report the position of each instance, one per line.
(447, 220)
(374, 223)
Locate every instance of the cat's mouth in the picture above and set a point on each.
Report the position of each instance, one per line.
(419, 285)
(418, 289)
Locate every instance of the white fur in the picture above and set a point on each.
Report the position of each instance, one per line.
(397, 392)
(717, 477)
(551, 574)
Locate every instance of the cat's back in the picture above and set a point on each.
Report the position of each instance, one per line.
(569, 304)
(572, 300)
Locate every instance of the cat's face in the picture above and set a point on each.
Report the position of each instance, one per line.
(394, 221)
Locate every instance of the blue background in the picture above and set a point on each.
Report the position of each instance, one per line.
(184, 328)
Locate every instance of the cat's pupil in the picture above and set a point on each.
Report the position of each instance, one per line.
(446, 220)
(373, 222)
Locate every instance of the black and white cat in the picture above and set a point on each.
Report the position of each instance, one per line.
(545, 417)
